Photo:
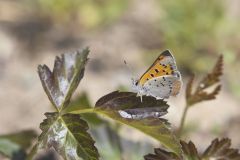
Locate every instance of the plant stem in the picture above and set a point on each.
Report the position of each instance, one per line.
(180, 129)
(87, 110)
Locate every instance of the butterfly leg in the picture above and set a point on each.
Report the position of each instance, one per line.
(139, 95)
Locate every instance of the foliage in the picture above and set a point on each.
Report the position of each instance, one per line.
(88, 14)
(64, 79)
(219, 150)
(14, 145)
(66, 129)
(200, 93)
(59, 86)
(65, 132)
(82, 103)
(68, 135)
(208, 81)
(127, 108)
(186, 27)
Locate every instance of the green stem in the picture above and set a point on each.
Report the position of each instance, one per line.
(179, 133)
(87, 110)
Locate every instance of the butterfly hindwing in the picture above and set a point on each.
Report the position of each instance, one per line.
(163, 87)
(163, 65)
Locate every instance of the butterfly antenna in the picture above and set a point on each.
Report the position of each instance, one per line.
(129, 68)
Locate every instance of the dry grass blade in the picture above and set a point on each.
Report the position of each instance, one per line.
(208, 81)
(161, 154)
(213, 77)
(220, 149)
(189, 87)
(189, 150)
(203, 96)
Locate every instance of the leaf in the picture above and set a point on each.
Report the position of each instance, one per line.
(68, 135)
(15, 144)
(129, 104)
(190, 151)
(80, 103)
(218, 150)
(128, 109)
(161, 154)
(63, 80)
(208, 81)
(49, 155)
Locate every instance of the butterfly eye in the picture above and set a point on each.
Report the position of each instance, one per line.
(136, 83)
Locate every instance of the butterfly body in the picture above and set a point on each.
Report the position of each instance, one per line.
(161, 80)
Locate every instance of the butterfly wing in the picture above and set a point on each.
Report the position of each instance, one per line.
(164, 86)
(164, 65)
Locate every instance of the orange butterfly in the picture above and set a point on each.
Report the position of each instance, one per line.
(161, 80)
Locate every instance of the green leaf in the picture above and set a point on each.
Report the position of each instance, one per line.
(63, 80)
(48, 155)
(81, 103)
(208, 81)
(68, 135)
(14, 144)
(128, 109)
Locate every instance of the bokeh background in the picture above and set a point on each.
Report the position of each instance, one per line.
(196, 31)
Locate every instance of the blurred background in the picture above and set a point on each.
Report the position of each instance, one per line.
(196, 31)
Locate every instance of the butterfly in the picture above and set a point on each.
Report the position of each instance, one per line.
(161, 80)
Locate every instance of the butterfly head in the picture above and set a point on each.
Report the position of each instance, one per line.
(134, 83)
(139, 89)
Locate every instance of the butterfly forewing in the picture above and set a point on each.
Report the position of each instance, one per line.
(163, 65)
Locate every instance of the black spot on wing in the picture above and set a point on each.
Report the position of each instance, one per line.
(178, 74)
